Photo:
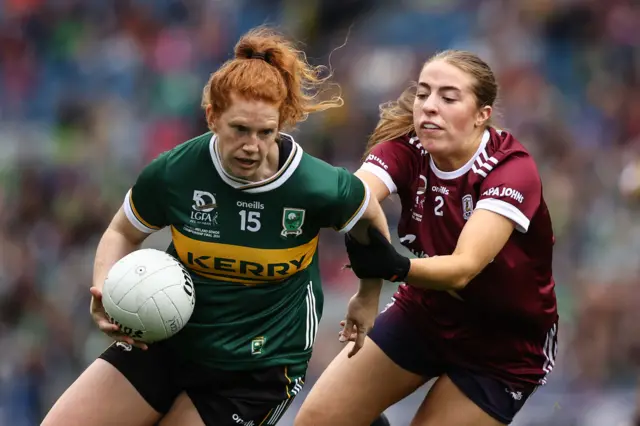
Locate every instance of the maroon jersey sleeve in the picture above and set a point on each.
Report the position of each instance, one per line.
(512, 189)
(395, 162)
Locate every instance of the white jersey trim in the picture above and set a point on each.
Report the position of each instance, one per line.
(507, 210)
(128, 211)
(291, 164)
(464, 169)
(381, 174)
(363, 207)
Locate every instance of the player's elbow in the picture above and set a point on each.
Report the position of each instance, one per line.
(467, 271)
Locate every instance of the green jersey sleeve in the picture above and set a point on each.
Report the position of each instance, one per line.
(348, 202)
(144, 204)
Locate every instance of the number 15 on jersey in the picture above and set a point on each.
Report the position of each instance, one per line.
(249, 220)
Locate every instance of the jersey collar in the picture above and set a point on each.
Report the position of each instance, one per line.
(275, 181)
(464, 169)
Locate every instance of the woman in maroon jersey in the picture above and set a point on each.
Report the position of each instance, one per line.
(477, 309)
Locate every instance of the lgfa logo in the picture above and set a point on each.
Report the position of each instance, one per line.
(204, 208)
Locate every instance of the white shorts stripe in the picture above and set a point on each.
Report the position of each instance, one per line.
(311, 318)
(550, 351)
(278, 411)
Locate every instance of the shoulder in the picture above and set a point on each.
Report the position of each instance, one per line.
(315, 173)
(504, 151)
(183, 159)
(193, 148)
(396, 162)
(406, 145)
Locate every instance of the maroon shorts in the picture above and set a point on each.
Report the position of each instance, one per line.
(406, 344)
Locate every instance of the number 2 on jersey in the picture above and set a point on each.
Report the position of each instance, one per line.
(437, 210)
(249, 221)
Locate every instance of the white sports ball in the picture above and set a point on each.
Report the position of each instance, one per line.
(149, 294)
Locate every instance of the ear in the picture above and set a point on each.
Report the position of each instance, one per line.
(211, 117)
(483, 115)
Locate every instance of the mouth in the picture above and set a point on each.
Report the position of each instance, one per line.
(246, 163)
(430, 126)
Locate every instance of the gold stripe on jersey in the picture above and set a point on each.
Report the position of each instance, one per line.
(241, 264)
(359, 211)
(137, 215)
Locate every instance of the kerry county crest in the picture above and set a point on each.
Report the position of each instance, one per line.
(292, 220)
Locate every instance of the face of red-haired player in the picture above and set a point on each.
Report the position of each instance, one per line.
(246, 132)
(445, 110)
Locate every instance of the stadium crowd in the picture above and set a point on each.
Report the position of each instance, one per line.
(91, 90)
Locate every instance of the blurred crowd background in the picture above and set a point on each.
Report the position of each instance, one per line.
(91, 90)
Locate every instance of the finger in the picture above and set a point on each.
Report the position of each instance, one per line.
(351, 334)
(345, 333)
(359, 342)
(140, 345)
(96, 292)
(104, 322)
(119, 337)
(106, 326)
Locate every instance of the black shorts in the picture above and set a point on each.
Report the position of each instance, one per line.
(222, 397)
(394, 334)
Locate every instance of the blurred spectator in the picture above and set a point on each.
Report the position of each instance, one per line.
(91, 90)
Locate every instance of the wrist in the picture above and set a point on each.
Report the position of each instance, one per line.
(371, 287)
(403, 266)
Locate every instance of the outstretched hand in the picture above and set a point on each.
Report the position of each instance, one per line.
(361, 313)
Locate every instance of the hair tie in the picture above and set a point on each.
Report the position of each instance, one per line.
(254, 55)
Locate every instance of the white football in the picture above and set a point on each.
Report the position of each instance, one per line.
(149, 294)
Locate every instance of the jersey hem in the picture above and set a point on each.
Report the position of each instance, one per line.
(134, 217)
(507, 210)
(358, 214)
(234, 365)
(381, 174)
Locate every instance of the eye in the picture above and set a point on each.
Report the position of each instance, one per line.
(240, 128)
(448, 100)
(266, 132)
(421, 96)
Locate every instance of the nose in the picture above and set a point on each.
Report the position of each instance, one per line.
(251, 145)
(429, 106)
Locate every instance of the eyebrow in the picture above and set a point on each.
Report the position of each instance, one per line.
(250, 126)
(441, 89)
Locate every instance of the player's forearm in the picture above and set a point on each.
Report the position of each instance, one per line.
(374, 217)
(440, 273)
(113, 246)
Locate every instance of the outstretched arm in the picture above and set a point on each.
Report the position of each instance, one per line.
(482, 238)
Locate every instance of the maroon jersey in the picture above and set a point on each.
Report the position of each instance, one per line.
(504, 322)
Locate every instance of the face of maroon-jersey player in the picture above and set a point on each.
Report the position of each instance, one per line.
(445, 111)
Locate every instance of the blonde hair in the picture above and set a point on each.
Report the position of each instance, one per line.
(396, 118)
(268, 67)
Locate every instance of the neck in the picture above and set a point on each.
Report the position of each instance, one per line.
(453, 161)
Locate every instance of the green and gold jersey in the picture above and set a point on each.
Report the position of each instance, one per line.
(251, 248)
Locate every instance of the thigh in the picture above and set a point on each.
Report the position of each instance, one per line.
(227, 398)
(102, 395)
(182, 412)
(465, 398)
(151, 372)
(354, 391)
